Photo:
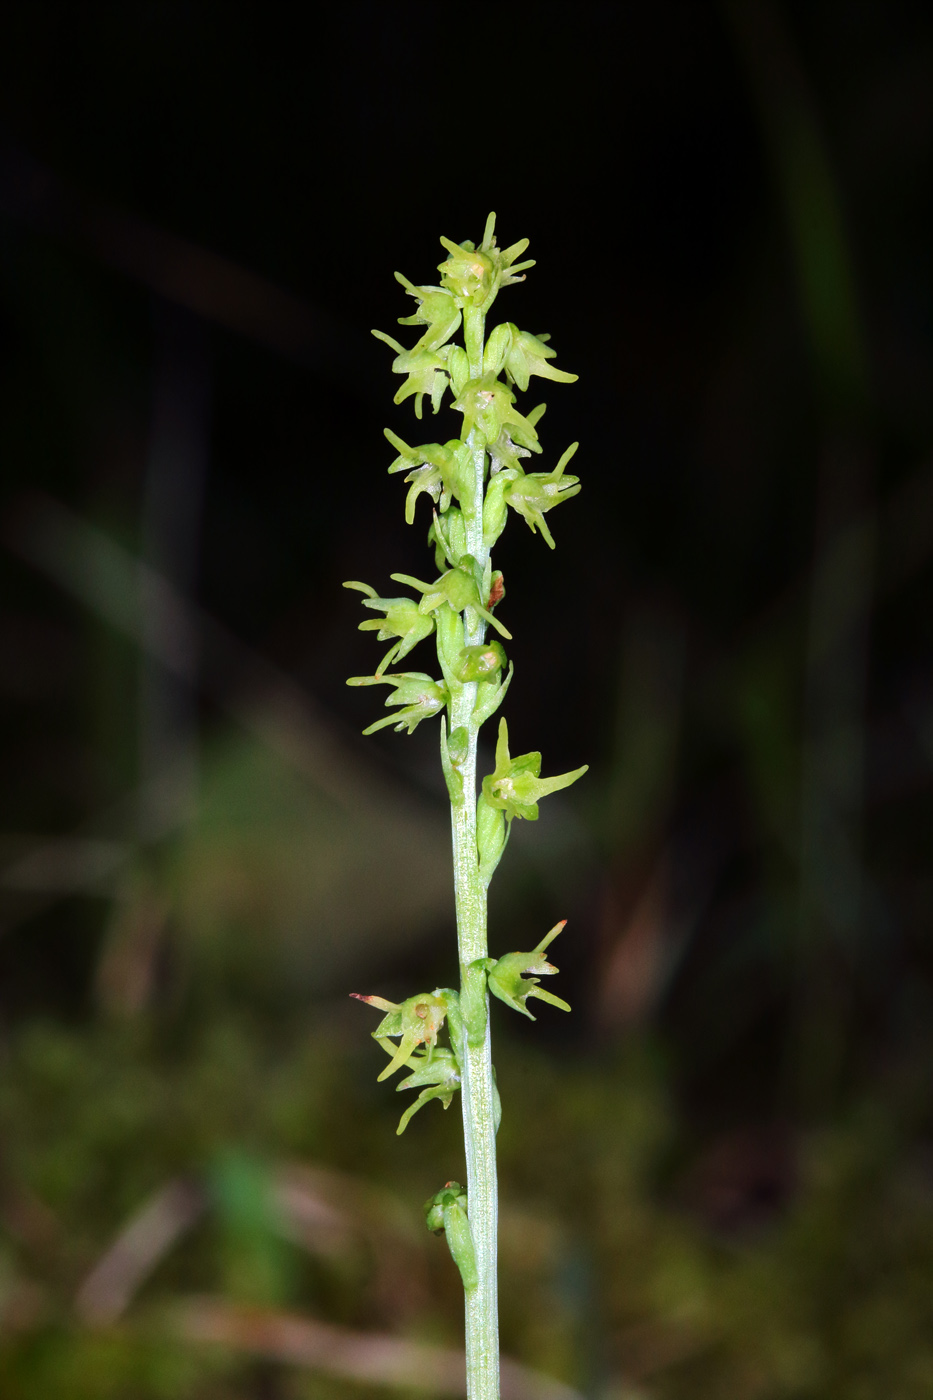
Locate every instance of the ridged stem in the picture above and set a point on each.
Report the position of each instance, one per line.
(477, 1088)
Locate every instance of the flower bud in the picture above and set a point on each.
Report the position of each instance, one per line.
(480, 662)
(446, 1213)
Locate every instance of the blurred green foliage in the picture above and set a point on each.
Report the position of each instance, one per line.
(617, 1273)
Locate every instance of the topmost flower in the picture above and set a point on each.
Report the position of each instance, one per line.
(474, 275)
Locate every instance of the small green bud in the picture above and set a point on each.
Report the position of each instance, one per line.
(515, 786)
(451, 1194)
(446, 1213)
(511, 979)
(480, 662)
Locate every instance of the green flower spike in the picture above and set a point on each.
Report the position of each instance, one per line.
(416, 1020)
(515, 787)
(420, 696)
(538, 492)
(529, 354)
(446, 1214)
(403, 619)
(458, 587)
(437, 1075)
(432, 468)
(424, 371)
(514, 978)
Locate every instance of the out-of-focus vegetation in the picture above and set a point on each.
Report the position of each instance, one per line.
(718, 1174)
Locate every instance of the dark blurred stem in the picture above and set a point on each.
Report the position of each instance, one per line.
(171, 524)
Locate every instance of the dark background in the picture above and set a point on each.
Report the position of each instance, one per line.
(717, 1176)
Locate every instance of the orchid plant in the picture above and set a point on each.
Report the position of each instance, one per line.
(471, 482)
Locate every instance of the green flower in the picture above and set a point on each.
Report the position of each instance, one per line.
(417, 1021)
(437, 309)
(474, 275)
(529, 354)
(515, 786)
(514, 978)
(458, 587)
(432, 467)
(486, 403)
(538, 492)
(403, 619)
(420, 696)
(437, 1075)
(424, 371)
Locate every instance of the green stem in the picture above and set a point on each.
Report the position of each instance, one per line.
(477, 1089)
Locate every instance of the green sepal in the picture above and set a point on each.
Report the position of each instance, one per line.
(514, 978)
(496, 351)
(458, 745)
(437, 1075)
(449, 645)
(458, 367)
(473, 999)
(446, 1213)
(495, 510)
(416, 1021)
(403, 619)
(460, 1243)
(448, 535)
(492, 834)
(515, 786)
(490, 696)
(455, 1026)
(452, 775)
(420, 696)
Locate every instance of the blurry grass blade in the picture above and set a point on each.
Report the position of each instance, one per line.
(369, 1358)
(145, 1240)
